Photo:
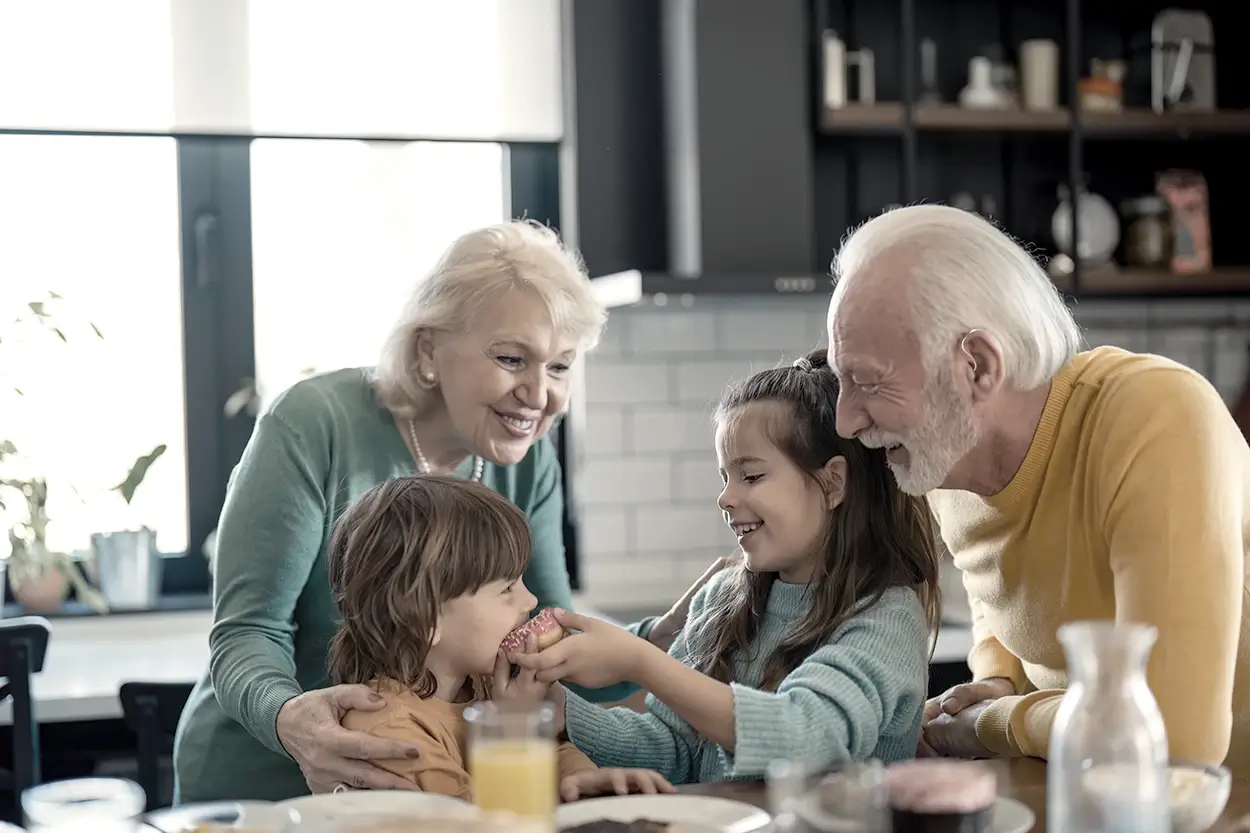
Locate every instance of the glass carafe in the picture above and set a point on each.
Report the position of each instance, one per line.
(1108, 758)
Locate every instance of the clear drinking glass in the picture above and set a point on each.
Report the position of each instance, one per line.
(512, 758)
(851, 799)
(1108, 756)
(100, 805)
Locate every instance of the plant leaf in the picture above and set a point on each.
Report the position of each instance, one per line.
(53, 296)
(60, 334)
(36, 307)
(139, 471)
(96, 330)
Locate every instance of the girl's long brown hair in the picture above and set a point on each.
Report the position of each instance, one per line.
(398, 553)
(876, 539)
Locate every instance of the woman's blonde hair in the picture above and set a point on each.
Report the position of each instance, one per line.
(476, 268)
(400, 552)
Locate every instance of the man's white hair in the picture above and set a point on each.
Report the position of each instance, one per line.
(476, 269)
(966, 274)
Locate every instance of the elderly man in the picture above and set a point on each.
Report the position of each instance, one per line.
(1068, 485)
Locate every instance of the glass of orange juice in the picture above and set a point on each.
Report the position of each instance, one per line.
(512, 758)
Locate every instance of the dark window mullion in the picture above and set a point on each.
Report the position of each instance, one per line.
(216, 233)
(532, 177)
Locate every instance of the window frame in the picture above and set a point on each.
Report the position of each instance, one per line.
(215, 228)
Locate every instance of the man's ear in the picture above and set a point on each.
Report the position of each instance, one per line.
(982, 363)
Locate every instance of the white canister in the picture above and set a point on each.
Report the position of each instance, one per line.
(1039, 74)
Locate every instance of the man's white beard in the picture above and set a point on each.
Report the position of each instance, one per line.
(936, 446)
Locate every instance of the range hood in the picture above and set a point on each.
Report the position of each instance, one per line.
(738, 154)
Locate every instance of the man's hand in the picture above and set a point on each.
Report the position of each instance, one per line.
(957, 698)
(955, 735)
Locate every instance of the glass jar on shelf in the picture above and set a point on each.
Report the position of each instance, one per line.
(1148, 232)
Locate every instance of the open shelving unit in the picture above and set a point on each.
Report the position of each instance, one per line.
(1020, 150)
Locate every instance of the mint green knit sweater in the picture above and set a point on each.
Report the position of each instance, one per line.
(859, 696)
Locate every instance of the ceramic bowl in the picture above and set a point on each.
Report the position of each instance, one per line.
(1199, 795)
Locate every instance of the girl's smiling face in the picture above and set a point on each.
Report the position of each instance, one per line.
(779, 513)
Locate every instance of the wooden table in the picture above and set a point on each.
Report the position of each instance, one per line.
(1026, 778)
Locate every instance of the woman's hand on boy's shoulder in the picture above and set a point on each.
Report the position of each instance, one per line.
(522, 687)
(589, 782)
(599, 655)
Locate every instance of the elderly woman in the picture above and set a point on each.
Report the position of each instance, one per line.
(470, 381)
(1069, 485)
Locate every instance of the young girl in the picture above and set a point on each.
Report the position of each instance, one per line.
(814, 650)
(426, 572)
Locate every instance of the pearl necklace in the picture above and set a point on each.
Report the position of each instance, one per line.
(424, 464)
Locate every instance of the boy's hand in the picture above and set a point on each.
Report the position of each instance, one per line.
(612, 781)
(522, 687)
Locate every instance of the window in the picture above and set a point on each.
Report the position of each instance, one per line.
(340, 232)
(309, 160)
(469, 69)
(97, 66)
(95, 221)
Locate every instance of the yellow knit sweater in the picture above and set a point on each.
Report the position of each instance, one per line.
(1132, 504)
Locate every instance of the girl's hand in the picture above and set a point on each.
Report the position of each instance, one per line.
(600, 655)
(523, 687)
(612, 781)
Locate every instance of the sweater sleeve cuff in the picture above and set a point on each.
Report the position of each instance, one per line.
(264, 724)
(994, 727)
(642, 628)
(997, 662)
(583, 723)
(758, 740)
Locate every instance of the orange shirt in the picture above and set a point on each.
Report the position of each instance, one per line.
(438, 729)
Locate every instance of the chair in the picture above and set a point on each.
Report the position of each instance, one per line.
(151, 711)
(23, 647)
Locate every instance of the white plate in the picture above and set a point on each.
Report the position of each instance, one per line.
(1010, 816)
(259, 816)
(695, 813)
(328, 811)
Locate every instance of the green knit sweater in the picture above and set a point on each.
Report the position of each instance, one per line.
(319, 447)
(857, 697)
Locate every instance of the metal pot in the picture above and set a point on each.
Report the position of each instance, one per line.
(127, 568)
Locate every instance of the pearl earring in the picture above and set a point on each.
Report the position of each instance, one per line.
(428, 378)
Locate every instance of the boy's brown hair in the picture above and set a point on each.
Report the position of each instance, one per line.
(402, 550)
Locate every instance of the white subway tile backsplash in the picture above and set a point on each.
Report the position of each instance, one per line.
(673, 332)
(623, 382)
(680, 526)
(606, 530)
(696, 478)
(780, 333)
(671, 428)
(604, 432)
(627, 480)
(649, 483)
(614, 342)
(703, 382)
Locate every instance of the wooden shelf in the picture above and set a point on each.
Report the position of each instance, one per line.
(887, 118)
(1153, 283)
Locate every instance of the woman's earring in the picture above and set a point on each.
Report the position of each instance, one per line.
(427, 379)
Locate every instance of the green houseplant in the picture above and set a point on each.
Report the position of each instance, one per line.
(39, 576)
